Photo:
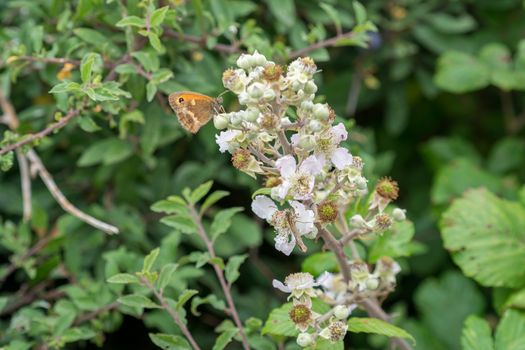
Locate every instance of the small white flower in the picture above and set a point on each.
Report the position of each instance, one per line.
(226, 140)
(321, 111)
(300, 285)
(256, 90)
(304, 218)
(299, 182)
(334, 286)
(360, 276)
(328, 147)
(358, 221)
(386, 270)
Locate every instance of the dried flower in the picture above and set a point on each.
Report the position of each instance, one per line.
(335, 331)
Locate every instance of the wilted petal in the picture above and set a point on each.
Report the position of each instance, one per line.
(305, 218)
(263, 207)
(286, 165)
(295, 139)
(284, 243)
(341, 158)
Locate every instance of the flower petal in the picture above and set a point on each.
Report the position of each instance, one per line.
(224, 139)
(263, 207)
(341, 158)
(279, 285)
(339, 133)
(284, 243)
(286, 165)
(304, 218)
(311, 165)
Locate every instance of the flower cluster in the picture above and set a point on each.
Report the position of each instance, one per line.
(283, 135)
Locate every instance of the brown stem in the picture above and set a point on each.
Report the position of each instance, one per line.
(319, 45)
(173, 314)
(25, 182)
(287, 148)
(53, 60)
(220, 275)
(32, 137)
(62, 200)
(336, 247)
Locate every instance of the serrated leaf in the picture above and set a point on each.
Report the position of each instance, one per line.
(232, 267)
(279, 322)
(149, 260)
(212, 199)
(123, 278)
(169, 341)
(476, 334)
(222, 221)
(170, 207)
(86, 67)
(184, 297)
(510, 334)
(317, 263)
(157, 17)
(486, 237)
(225, 338)
(376, 326)
(131, 21)
(65, 87)
(198, 193)
(138, 300)
(155, 42)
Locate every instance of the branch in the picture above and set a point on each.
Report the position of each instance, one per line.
(220, 275)
(25, 182)
(62, 200)
(32, 137)
(53, 60)
(174, 315)
(336, 247)
(319, 45)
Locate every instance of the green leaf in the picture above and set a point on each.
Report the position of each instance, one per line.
(155, 42)
(181, 223)
(170, 206)
(445, 23)
(166, 274)
(284, 11)
(376, 326)
(317, 263)
(476, 334)
(515, 300)
(198, 193)
(123, 278)
(65, 87)
(458, 72)
(131, 21)
(169, 341)
(148, 59)
(444, 305)
(212, 199)
(157, 17)
(279, 322)
(508, 154)
(225, 338)
(359, 12)
(138, 300)
(222, 221)
(333, 14)
(232, 267)
(395, 242)
(91, 36)
(510, 334)
(210, 299)
(184, 297)
(151, 90)
(108, 151)
(86, 67)
(149, 260)
(486, 236)
(87, 124)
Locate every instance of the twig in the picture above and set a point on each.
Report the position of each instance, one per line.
(287, 148)
(32, 137)
(53, 60)
(25, 182)
(174, 315)
(336, 247)
(201, 41)
(220, 275)
(93, 314)
(62, 200)
(319, 45)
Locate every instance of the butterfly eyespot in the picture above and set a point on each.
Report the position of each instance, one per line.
(181, 100)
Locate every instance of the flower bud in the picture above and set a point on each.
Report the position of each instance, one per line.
(341, 312)
(256, 90)
(236, 119)
(244, 61)
(315, 125)
(372, 282)
(244, 98)
(307, 105)
(304, 339)
(258, 59)
(251, 115)
(310, 87)
(321, 111)
(220, 121)
(306, 142)
(358, 221)
(268, 94)
(399, 214)
(360, 181)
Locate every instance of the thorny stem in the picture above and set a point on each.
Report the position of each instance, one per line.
(220, 275)
(174, 315)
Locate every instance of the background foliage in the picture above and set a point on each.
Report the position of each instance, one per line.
(438, 104)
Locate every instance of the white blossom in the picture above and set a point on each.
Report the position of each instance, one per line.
(298, 182)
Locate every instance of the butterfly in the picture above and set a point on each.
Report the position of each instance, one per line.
(194, 110)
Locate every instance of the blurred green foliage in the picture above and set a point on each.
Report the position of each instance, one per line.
(437, 97)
